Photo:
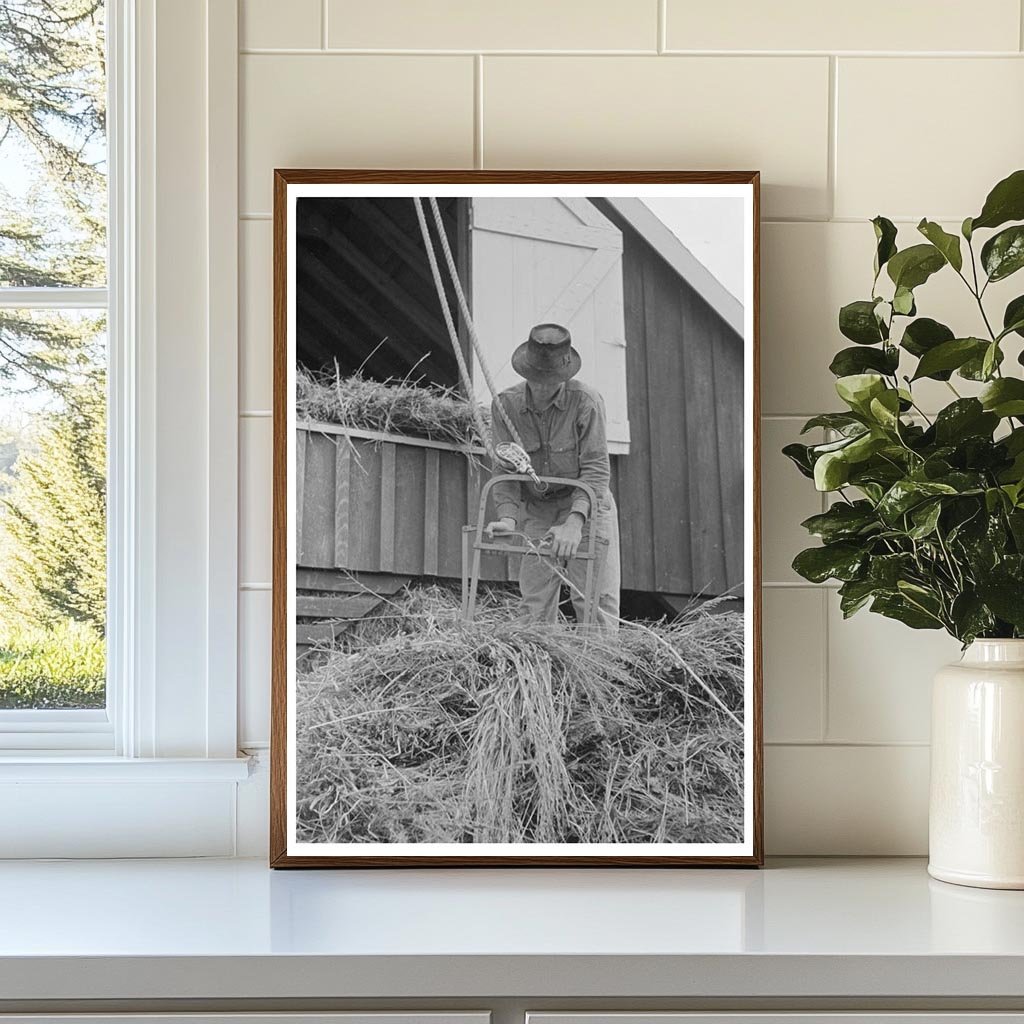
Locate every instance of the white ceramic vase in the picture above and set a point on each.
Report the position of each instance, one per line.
(976, 816)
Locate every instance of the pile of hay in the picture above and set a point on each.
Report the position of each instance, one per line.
(424, 729)
(395, 407)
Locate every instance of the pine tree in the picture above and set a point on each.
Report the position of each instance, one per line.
(53, 122)
(53, 234)
(53, 519)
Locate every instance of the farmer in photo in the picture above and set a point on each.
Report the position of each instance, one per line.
(561, 423)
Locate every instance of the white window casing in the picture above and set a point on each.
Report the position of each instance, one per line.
(161, 763)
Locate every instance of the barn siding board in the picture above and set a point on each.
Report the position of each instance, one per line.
(431, 510)
(388, 502)
(410, 504)
(634, 476)
(365, 505)
(728, 361)
(300, 481)
(702, 465)
(318, 519)
(342, 490)
(451, 513)
(670, 486)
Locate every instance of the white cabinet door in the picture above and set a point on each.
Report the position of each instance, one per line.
(550, 260)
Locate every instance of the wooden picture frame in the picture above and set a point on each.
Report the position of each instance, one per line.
(283, 848)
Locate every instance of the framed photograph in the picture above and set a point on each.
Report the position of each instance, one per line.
(516, 607)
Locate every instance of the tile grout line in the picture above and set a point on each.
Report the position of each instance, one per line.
(662, 26)
(824, 723)
(826, 649)
(832, 146)
(478, 111)
(851, 744)
(323, 24)
(768, 55)
(1020, 26)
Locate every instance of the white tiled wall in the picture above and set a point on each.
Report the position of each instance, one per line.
(908, 109)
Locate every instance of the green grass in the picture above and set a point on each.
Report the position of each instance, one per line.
(60, 667)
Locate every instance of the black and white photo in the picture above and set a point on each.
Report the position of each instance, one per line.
(516, 564)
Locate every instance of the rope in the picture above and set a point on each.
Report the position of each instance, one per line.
(470, 327)
(467, 381)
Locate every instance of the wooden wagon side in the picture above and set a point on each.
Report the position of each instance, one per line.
(380, 503)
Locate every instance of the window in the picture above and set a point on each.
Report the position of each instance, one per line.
(53, 369)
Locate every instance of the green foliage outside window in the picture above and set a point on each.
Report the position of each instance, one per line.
(52, 365)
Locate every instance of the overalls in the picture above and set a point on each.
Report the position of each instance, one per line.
(565, 439)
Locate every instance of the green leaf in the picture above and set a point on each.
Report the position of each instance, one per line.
(841, 421)
(899, 608)
(1013, 317)
(966, 417)
(854, 594)
(887, 570)
(863, 447)
(885, 238)
(912, 267)
(1005, 202)
(842, 521)
(840, 561)
(974, 368)
(858, 389)
(1005, 597)
(857, 321)
(849, 361)
(903, 302)
(800, 456)
(1004, 397)
(924, 334)
(990, 360)
(947, 244)
(950, 355)
(885, 409)
(831, 471)
(965, 229)
(970, 617)
(906, 494)
(1003, 254)
(925, 518)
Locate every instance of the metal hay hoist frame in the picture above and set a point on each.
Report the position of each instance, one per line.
(474, 544)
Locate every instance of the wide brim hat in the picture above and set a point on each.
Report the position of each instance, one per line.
(547, 356)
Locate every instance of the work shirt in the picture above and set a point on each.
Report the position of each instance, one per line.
(567, 438)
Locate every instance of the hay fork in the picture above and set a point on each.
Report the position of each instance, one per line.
(474, 544)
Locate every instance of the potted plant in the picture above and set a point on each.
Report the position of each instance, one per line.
(926, 521)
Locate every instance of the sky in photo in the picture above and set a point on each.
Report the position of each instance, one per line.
(709, 228)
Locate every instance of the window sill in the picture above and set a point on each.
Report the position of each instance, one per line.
(77, 766)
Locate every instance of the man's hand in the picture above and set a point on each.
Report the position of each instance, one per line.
(500, 527)
(566, 537)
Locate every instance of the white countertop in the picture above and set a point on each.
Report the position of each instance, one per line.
(233, 929)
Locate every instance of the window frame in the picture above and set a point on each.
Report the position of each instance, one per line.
(159, 712)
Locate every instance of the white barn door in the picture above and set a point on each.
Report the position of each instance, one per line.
(550, 260)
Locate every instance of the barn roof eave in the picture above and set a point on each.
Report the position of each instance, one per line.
(643, 220)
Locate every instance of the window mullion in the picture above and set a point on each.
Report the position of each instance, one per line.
(53, 298)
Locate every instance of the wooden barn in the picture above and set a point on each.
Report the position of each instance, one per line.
(659, 337)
